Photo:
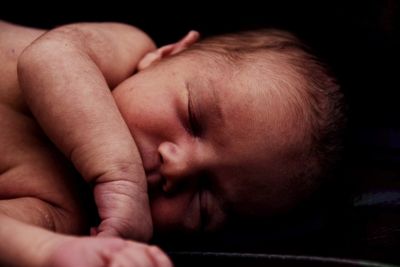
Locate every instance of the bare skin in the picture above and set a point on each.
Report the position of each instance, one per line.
(38, 189)
(35, 179)
(66, 77)
(28, 245)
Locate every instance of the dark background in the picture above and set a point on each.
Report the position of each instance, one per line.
(360, 41)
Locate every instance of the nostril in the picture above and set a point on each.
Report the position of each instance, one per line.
(161, 158)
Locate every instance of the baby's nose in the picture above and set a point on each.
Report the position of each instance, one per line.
(175, 161)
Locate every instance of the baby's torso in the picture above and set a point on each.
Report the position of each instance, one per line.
(16, 124)
(13, 40)
(30, 166)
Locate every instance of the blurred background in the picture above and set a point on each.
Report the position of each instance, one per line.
(359, 216)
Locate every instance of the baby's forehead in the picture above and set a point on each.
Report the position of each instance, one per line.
(267, 78)
(254, 69)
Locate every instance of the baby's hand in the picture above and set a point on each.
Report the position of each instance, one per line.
(123, 205)
(102, 252)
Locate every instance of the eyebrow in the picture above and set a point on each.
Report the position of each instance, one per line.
(215, 102)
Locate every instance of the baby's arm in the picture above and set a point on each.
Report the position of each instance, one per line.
(66, 76)
(28, 245)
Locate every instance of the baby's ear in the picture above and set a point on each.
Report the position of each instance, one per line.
(168, 50)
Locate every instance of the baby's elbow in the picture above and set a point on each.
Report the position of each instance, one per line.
(38, 60)
(31, 58)
(26, 59)
(27, 65)
(39, 52)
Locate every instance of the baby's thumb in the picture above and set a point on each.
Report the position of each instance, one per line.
(124, 210)
(121, 228)
(94, 231)
(107, 233)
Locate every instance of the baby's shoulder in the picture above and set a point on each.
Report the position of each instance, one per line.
(13, 40)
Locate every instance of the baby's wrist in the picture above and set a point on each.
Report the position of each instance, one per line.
(46, 247)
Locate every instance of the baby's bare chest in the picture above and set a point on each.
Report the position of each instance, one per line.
(13, 40)
(31, 167)
(29, 164)
(10, 93)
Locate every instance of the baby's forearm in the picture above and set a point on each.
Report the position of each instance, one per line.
(66, 77)
(23, 244)
(69, 94)
(26, 245)
(70, 98)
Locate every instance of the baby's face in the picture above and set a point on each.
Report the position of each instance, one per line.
(213, 142)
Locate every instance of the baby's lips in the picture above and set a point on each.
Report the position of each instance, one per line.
(154, 180)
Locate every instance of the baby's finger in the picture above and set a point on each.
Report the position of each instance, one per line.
(94, 231)
(108, 232)
(132, 256)
(121, 260)
(124, 210)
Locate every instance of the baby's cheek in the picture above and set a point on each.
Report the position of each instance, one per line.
(167, 213)
(123, 98)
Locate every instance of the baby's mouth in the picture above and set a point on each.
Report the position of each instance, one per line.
(154, 180)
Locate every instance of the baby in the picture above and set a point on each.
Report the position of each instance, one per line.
(183, 138)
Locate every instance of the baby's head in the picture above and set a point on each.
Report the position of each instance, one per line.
(236, 126)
